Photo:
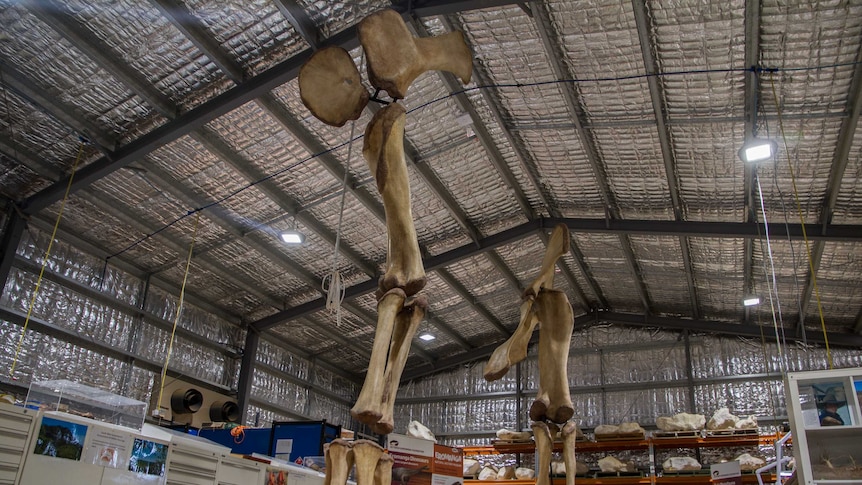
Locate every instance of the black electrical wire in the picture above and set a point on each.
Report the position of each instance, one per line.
(754, 69)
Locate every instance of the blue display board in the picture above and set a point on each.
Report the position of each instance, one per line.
(294, 440)
(255, 440)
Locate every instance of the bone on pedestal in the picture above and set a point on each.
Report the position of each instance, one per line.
(368, 407)
(366, 454)
(514, 349)
(395, 58)
(330, 86)
(383, 470)
(544, 447)
(570, 436)
(338, 456)
(406, 323)
(383, 149)
(553, 401)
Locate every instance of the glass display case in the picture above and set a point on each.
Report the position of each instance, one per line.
(90, 402)
(824, 412)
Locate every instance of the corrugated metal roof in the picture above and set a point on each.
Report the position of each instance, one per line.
(560, 120)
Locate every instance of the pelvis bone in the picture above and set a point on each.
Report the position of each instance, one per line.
(395, 58)
(330, 87)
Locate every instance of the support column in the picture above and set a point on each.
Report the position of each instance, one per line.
(9, 241)
(246, 372)
(689, 370)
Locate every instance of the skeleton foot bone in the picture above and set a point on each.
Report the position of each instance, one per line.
(339, 460)
(367, 454)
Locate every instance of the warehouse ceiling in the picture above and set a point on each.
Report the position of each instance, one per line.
(182, 123)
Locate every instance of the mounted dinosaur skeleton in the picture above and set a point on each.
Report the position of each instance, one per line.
(331, 87)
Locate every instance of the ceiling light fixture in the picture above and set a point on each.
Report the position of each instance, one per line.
(751, 300)
(427, 337)
(757, 150)
(292, 237)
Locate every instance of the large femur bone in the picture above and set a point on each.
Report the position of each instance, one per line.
(553, 401)
(330, 87)
(514, 349)
(383, 149)
(395, 58)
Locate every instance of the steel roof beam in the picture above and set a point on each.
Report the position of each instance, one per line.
(62, 21)
(87, 342)
(108, 300)
(220, 105)
(301, 21)
(751, 88)
(189, 25)
(657, 98)
(129, 267)
(726, 328)
(29, 89)
(573, 102)
(529, 169)
(836, 174)
(723, 230)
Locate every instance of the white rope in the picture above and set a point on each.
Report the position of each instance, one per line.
(332, 283)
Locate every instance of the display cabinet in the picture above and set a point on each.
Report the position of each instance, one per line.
(824, 412)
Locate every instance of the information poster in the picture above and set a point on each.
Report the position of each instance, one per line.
(60, 438)
(412, 459)
(108, 448)
(148, 457)
(448, 465)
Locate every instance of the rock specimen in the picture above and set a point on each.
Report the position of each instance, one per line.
(681, 422)
(680, 464)
(418, 430)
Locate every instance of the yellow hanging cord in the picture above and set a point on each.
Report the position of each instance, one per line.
(45, 261)
(179, 310)
(802, 222)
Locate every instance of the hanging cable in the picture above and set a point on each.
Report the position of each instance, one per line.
(332, 283)
(802, 224)
(774, 303)
(45, 261)
(179, 311)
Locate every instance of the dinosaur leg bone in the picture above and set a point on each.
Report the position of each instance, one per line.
(367, 408)
(406, 323)
(553, 402)
(544, 446)
(514, 349)
(383, 149)
(570, 436)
